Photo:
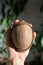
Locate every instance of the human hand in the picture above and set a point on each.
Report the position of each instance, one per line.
(18, 57)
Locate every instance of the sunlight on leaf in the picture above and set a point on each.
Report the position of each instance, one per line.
(4, 21)
(42, 41)
(4, 24)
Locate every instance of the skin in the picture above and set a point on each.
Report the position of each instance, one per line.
(15, 58)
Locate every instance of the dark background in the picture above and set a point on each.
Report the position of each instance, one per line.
(30, 11)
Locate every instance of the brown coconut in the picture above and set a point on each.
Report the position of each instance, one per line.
(22, 36)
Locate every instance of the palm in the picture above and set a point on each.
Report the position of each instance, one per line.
(19, 55)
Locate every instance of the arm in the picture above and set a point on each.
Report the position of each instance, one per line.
(15, 58)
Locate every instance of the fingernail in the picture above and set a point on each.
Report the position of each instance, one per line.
(16, 22)
(30, 25)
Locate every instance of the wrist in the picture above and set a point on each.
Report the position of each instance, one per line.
(15, 62)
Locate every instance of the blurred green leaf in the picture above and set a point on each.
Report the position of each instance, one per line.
(11, 2)
(4, 22)
(42, 41)
(1, 49)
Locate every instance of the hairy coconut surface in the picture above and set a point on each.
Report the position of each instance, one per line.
(22, 36)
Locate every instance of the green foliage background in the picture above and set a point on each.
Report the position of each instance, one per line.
(16, 7)
(12, 14)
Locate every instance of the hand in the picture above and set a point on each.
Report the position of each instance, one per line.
(13, 54)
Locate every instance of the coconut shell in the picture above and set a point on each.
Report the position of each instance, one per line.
(22, 36)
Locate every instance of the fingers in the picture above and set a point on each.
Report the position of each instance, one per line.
(34, 34)
(27, 22)
(30, 25)
(16, 22)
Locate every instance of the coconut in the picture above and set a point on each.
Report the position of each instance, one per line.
(22, 36)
